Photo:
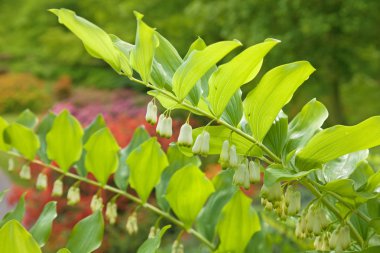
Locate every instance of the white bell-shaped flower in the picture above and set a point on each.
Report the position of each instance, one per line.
(57, 188)
(233, 158)
(73, 195)
(11, 164)
(197, 144)
(275, 192)
(240, 175)
(25, 172)
(111, 212)
(96, 203)
(41, 182)
(159, 124)
(185, 137)
(224, 154)
(166, 128)
(132, 225)
(254, 172)
(205, 147)
(151, 113)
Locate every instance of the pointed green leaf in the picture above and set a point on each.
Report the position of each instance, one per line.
(177, 160)
(121, 176)
(3, 125)
(27, 119)
(145, 46)
(96, 41)
(197, 64)
(151, 245)
(275, 173)
(305, 124)
(146, 164)
(275, 139)
(102, 155)
(237, 224)
(23, 139)
(87, 234)
(234, 110)
(337, 141)
(232, 75)
(17, 213)
(275, 90)
(14, 238)
(361, 174)
(187, 192)
(199, 44)
(42, 130)
(97, 124)
(41, 230)
(124, 51)
(64, 140)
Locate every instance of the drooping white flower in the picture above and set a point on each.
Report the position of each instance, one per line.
(132, 225)
(96, 203)
(111, 212)
(177, 247)
(41, 182)
(57, 188)
(73, 195)
(159, 124)
(166, 127)
(202, 144)
(340, 238)
(197, 144)
(275, 192)
(153, 232)
(151, 113)
(185, 137)
(233, 158)
(25, 172)
(238, 178)
(11, 164)
(224, 153)
(254, 172)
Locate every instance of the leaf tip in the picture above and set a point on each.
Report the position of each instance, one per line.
(138, 15)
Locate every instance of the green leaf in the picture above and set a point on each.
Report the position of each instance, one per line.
(17, 213)
(145, 45)
(149, 160)
(177, 160)
(23, 139)
(122, 173)
(41, 230)
(64, 140)
(187, 192)
(373, 183)
(375, 224)
(305, 124)
(63, 250)
(237, 224)
(124, 50)
(337, 141)
(14, 238)
(87, 234)
(218, 134)
(345, 188)
(275, 90)
(151, 245)
(209, 216)
(361, 174)
(102, 155)
(197, 64)
(234, 110)
(97, 124)
(3, 125)
(343, 166)
(275, 173)
(96, 41)
(27, 119)
(232, 75)
(276, 137)
(42, 130)
(374, 249)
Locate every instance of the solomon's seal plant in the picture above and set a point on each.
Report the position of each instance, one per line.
(250, 136)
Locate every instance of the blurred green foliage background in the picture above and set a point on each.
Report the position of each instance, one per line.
(340, 38)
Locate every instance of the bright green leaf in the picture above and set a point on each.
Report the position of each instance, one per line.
(275, 90)
(87, 234)
(237, 224)
(122, 173)
(23, 139)
(305, 124)
(146, 164)
(275, 139)
(232, 75)
(14, 238)
(27, 119)
(64, 140)
(234, 110)
(42, 130)
(275, 173)
(63, 250)
(197, 64)
(145, 46)
(187, 192)
(151, 245)
(361, 174)
(16, 214)
(373, 183)
(337, 141)
(102, 155)
(3, 125)
(41, 230)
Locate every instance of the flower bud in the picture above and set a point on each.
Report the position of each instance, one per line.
(239, 175)
(111, 212)
(41, 183)
(254, 172)
(224, 154)
(153, 232)
(25, 172)
(177, 247)
(340, 238)
(185, 137)
(151, 113)
(275, 192)
(11, 164)
(205, 147)
(73, 195)
(166, 128)
(159, 124)
(233, 158)
(57, 188)
(132, 225)
(96, 203)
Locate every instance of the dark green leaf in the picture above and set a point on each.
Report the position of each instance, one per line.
(41, 230)
(3, 125)
(375, 224)
(42, 130)
(17, 213)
